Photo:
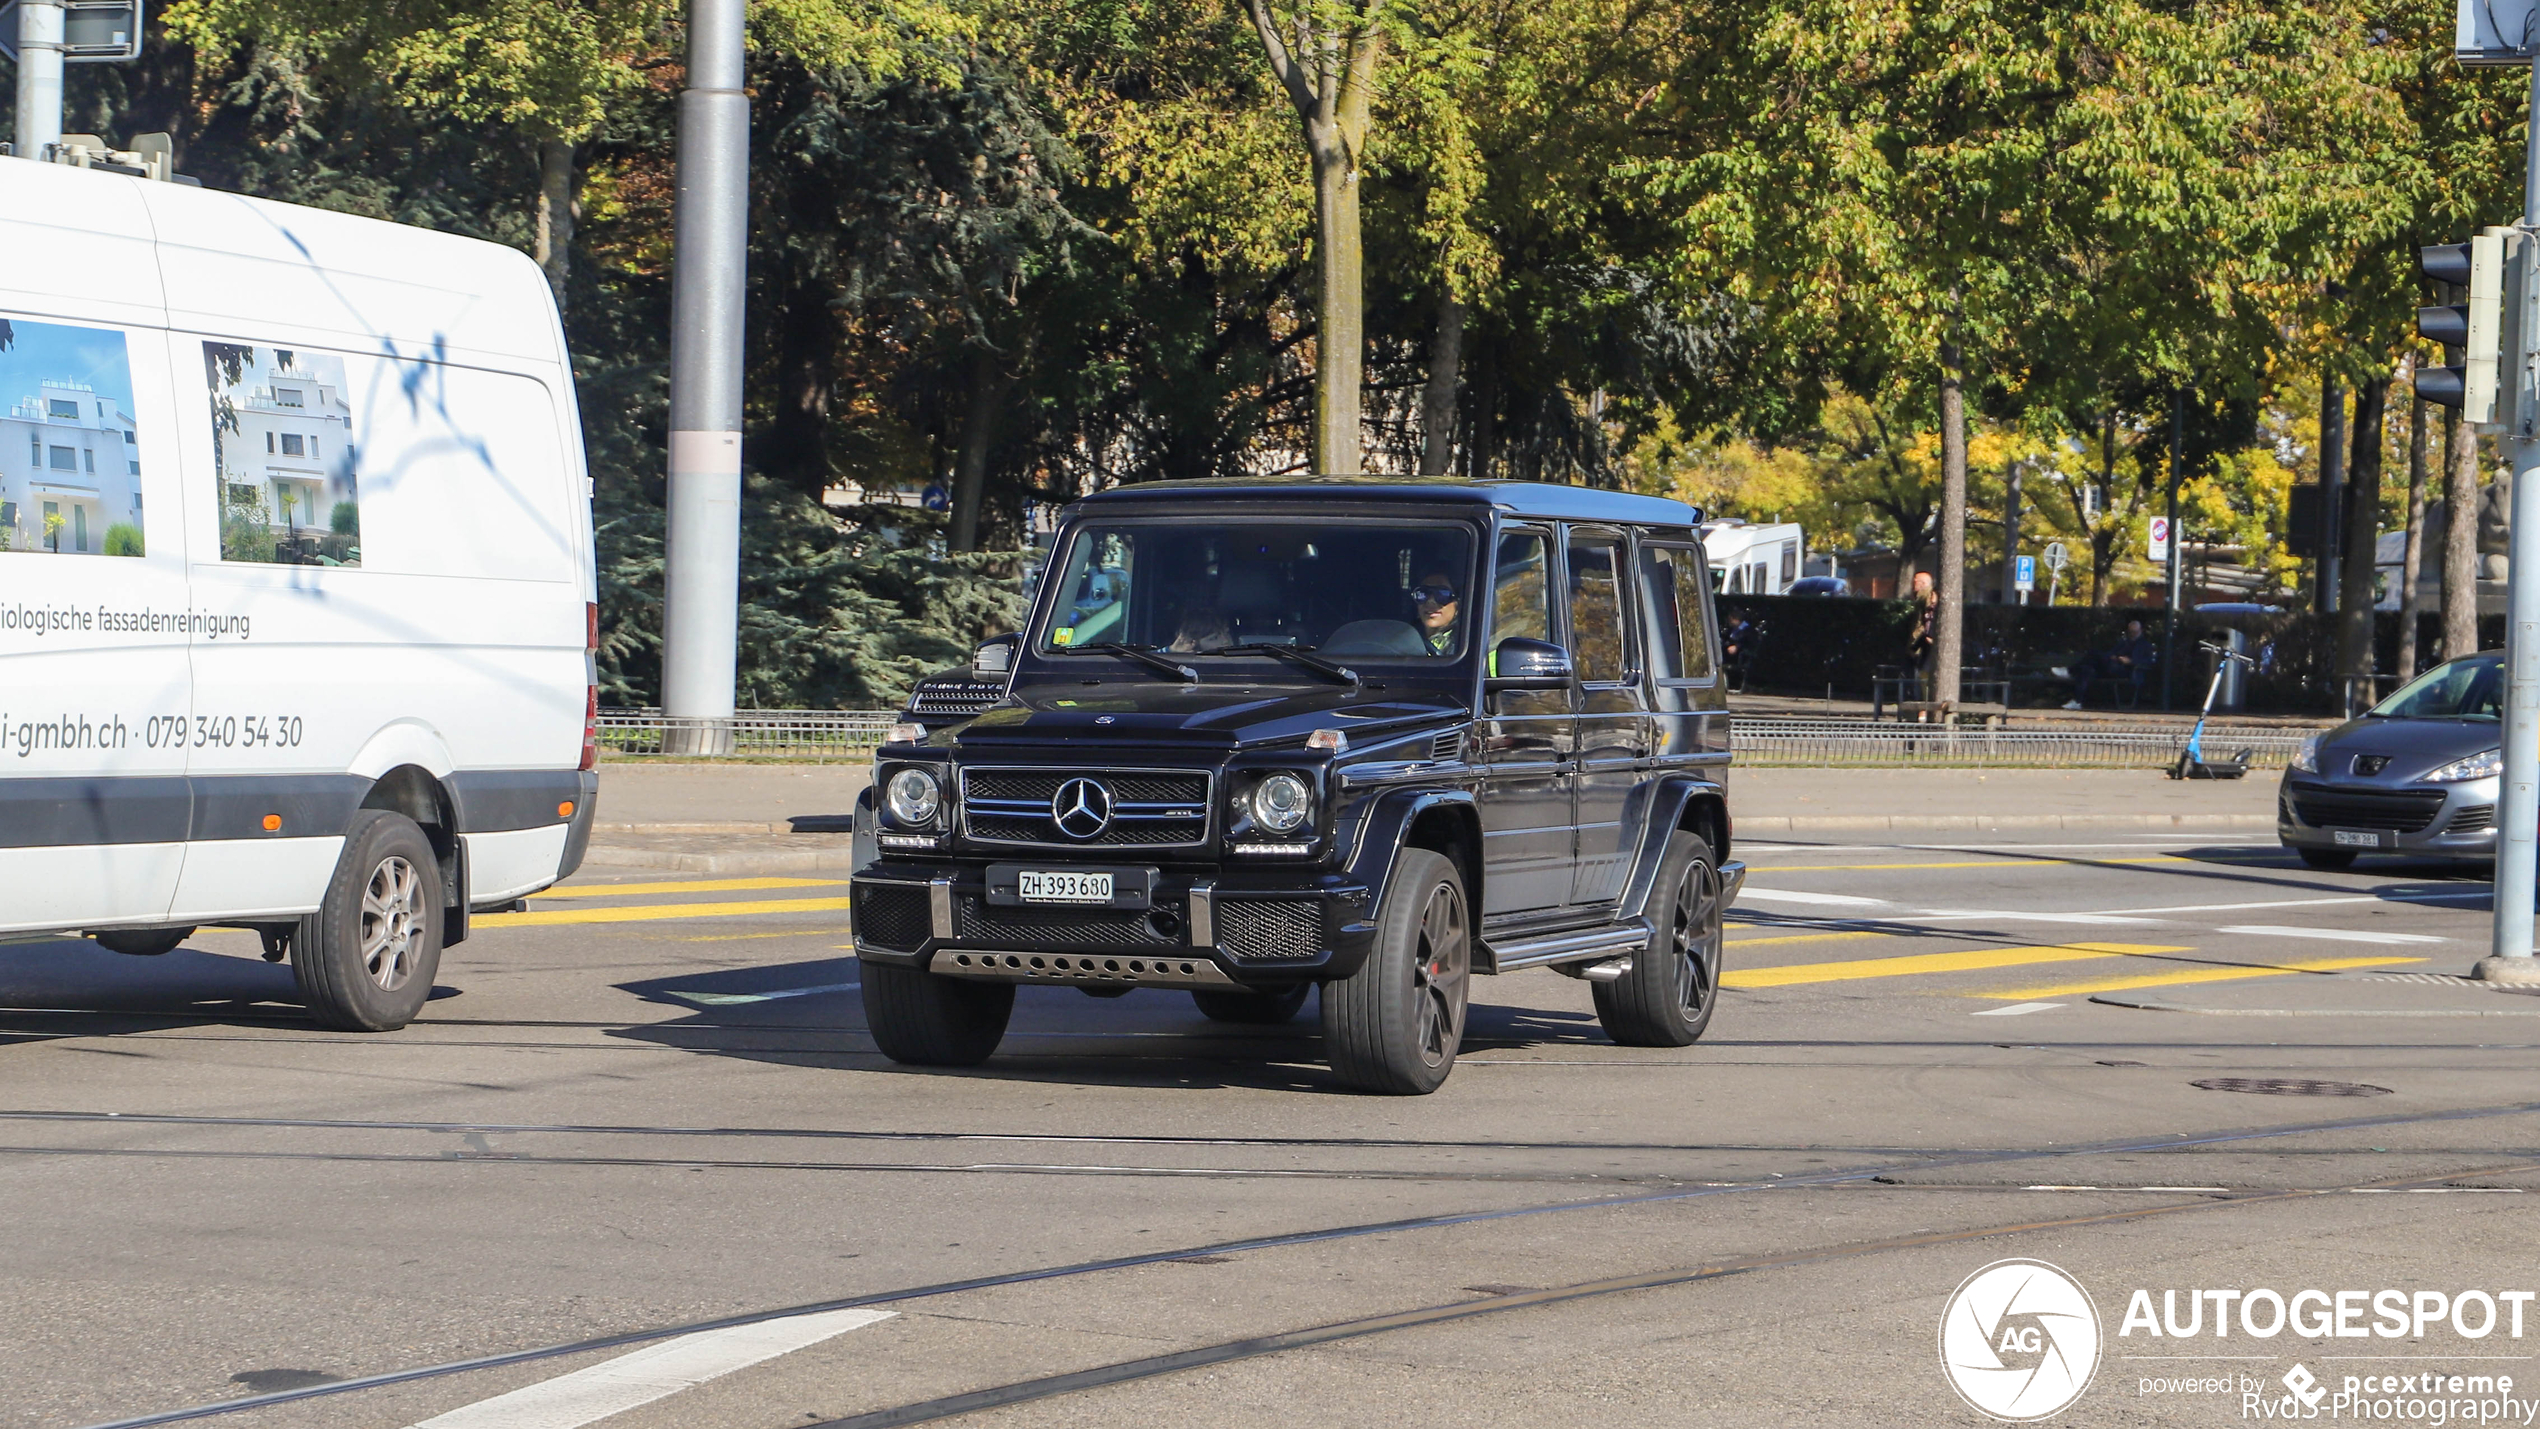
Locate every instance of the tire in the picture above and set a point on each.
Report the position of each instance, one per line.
(1252, 1009)
(1395, 1024)
(2326, 858)
(142, 942)
(921, 1019)
(1667, 997)
(365, 960)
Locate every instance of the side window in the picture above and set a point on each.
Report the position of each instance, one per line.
(1671, 580)
(1521, 591)
(280, 503)
(1597, 644)
(68, 390)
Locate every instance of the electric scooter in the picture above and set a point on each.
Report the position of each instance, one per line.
(2192, 763)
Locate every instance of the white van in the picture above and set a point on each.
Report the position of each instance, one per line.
(296, 619)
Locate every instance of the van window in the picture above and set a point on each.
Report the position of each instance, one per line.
(65, 388)
(269, 515)
(1671, 601)
(1596, 610)
(464, 470)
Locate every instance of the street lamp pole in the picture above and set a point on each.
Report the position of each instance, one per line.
(710, 252)
(2509, 956)
(39, 77)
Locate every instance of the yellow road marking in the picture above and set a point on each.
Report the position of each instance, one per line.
(2127, 984)
(1809, 938)
(655, 912)
(702, 885)
(1788, 974)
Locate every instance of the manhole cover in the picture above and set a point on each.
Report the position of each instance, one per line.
(2289, 1087)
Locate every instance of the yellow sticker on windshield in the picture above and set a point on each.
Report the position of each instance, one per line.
(1062, 634)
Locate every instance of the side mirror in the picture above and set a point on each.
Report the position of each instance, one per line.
(1523, 664)
(995, 656)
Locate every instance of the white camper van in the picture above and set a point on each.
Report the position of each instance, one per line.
(296, 619)
(1750, 559)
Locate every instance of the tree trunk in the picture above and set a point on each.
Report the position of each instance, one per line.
(1949, 631)
(2460, 538)
(2412, 557)
(555, 213)
(2103, 530)
(1340, 334)
(2362, 532)
(2324, 576)
(988, 383)
(1437, 405)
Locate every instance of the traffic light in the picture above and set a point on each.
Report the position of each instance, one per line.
(2472, 330)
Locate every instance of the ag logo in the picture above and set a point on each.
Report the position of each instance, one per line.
(2305, 1386)
(2019, 1340)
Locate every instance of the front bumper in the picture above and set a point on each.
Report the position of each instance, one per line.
(1204, 928)
(2432, 820)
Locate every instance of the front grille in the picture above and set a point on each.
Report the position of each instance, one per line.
(2476, 819)
(979, 921)
(958, 698)
(2401, 811)
(1150, 808)
(1253, 930)
(891, 916)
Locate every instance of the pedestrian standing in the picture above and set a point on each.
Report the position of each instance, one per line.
(1925, 647)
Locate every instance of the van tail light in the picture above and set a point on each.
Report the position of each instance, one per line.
(591, 727)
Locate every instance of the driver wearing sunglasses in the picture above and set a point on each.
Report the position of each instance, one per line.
(1434, 600)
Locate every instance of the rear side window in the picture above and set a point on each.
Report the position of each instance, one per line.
(1596, 610)
(1671, 580)
(65, 391)
(1521, 589)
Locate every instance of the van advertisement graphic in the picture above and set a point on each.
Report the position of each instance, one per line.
(282, 436)
(70, 458)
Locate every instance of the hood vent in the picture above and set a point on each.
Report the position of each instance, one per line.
(1448, 746)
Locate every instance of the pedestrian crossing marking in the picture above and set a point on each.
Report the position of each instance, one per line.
(655, 912)
(1791, 974)
(2174, 979)
(701, 885)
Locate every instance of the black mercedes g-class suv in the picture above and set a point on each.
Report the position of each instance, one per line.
(1372, 734)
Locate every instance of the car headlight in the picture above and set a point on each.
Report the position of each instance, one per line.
(1282, 803)
(914, 797)
(2306, 756)
(2476, 766)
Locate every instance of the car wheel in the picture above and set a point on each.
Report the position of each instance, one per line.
(927, 1020)
(1666, 998)
(365, 960)
(1395, 1024)
(2326, 857)
(1251, 1009)
(142, 942)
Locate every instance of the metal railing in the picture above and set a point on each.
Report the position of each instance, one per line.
(750, 734)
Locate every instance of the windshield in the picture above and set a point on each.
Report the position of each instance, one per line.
(2462, 689)
(1368, 589)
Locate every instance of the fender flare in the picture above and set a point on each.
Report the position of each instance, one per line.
(1389, 822)
(1666, 801)
(403, 742)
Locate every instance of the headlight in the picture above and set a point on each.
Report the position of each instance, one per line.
(914, 797)
(2477, 766)
(2306, 756)
(1282, 803)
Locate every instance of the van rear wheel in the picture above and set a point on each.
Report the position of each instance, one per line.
(1251, 1009)
(926, 1020)
(1666, 998)
(365, 960)
(1395, 1024)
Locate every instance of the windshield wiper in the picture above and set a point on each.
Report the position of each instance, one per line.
(1144, 655)
(1295, 655)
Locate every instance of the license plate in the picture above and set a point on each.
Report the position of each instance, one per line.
(1057, 886)
(2358, 838)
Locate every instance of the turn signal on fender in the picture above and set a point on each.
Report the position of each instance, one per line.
(273, 823)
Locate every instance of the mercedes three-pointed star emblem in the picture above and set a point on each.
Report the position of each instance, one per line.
(1081, 808)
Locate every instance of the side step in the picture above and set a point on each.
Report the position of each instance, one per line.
(1593, 944)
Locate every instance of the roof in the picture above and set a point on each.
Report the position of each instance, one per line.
(1523, 498)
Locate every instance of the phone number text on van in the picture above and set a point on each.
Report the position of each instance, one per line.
(72, 733)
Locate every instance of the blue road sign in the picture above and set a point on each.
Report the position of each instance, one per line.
(2024, 573)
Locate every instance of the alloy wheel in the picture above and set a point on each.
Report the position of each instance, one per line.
(392, 922)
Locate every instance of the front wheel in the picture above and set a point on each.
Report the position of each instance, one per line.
(364, 961)
(927, 1020)
(1251, 1009)
(1395, 1024)
(1666, 998)
(2326, 858)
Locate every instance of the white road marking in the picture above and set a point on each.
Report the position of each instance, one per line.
(2005, 915)
(653, 1372)
(734, 999)
(2334, 935)
(2019, 1009)
(1831, 900)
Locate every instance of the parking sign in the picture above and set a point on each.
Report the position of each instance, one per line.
(2024, 573)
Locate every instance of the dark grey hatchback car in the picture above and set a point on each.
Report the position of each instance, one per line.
(1371, 735)
(2418, 774)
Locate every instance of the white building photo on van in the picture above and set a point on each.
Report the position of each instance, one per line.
(70, 472)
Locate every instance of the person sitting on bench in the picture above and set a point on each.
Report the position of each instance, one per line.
(2130, 659)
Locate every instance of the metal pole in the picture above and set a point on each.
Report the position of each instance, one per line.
(2169, 628)
(710, 236)
(2518, 809)
(39, 77)
(2011, 593)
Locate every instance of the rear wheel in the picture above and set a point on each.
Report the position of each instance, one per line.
(1666, 998)
(1251, 1009)
(926, 1020)
(1394, 1025)
(142, 942)
(2326, 857)
(365, 959)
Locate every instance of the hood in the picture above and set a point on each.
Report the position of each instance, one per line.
(1217, 717)
(2413, 747)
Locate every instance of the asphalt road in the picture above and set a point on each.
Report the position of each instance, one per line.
(647, 1103)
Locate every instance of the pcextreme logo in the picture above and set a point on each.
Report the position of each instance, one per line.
(2019, 1340)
